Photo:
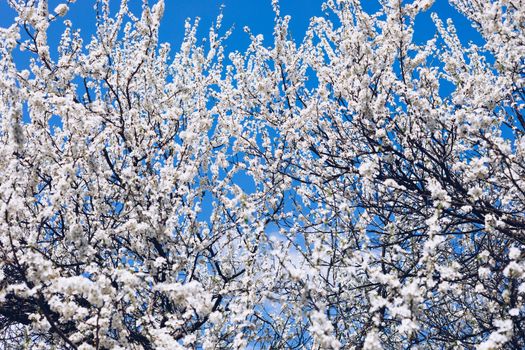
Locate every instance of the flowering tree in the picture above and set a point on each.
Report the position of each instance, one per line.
(329, 194)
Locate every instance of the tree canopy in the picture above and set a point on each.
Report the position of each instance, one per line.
(356, 189)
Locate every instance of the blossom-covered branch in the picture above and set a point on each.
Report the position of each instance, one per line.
(332, 193)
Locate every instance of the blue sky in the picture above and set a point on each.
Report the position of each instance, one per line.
(257, 14)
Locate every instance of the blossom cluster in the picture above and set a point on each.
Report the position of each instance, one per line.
(332, 193)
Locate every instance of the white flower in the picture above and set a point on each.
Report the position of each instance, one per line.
(483, 272)
(408, 326)
(514, 253)
(380, 133)
(466, 208)
(61, 9)
(322, 329)
(439, 195)
(475, 192)
(372, 341)
(368, 169)
(513, 269)
(499, 337)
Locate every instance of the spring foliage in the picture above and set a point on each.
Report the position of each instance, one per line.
(332, 193)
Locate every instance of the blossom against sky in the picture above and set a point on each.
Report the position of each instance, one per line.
(256, 14)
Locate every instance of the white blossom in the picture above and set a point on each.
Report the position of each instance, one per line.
(61, 9)
(360, 186)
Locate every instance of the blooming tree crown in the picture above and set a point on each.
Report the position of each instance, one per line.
(330, 193)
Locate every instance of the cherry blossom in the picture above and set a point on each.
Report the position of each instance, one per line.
(324, 192)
